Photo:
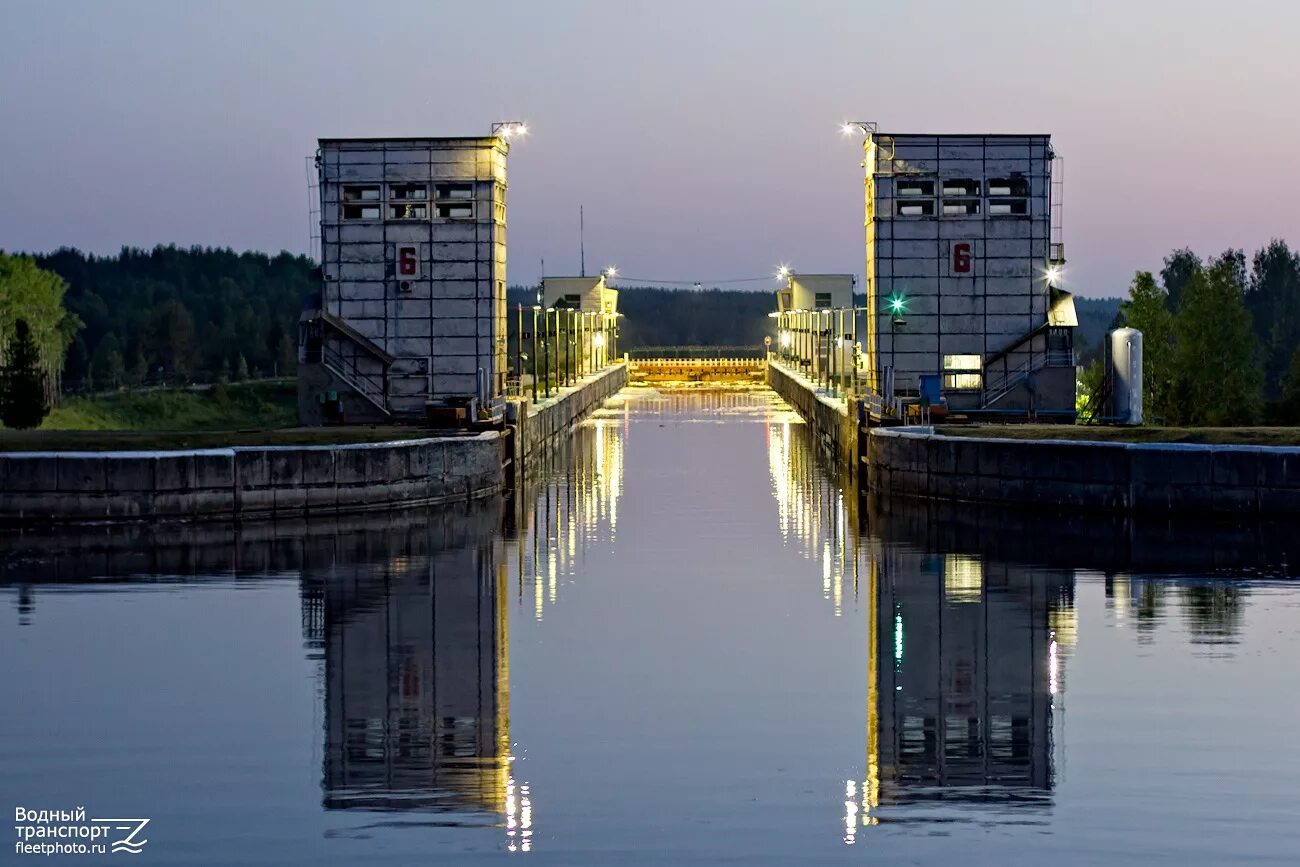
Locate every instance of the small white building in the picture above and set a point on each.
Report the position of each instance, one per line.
(816, 292)
(588, 294)
(411, 312)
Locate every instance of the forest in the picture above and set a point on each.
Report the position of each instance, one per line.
(177, 315)
(1222, 333)
(1221, 337)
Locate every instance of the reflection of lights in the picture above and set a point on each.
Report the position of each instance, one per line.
(850, 813)
(519, 817)
(598, 340)
(1052, 668)
(898, 637)
(963, 578)
(786, 339)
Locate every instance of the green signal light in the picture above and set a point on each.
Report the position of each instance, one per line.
(897, 304)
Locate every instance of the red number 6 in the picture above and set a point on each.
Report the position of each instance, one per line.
(406, 263)
(961, 258)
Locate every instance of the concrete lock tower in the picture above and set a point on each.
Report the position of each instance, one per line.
(410, 321)
(964, 256)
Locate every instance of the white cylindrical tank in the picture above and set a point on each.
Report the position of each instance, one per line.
(1125, 375)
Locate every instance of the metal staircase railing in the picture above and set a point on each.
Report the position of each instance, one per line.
(371, 386)
(1001, 387)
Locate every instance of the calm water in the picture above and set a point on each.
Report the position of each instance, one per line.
(683, 644)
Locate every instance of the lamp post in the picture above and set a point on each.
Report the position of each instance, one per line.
(535, 309)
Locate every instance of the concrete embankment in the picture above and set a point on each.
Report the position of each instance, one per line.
(1136, 478)
(247, 483)
(834, 421)
(1102, 476)
(539, 422)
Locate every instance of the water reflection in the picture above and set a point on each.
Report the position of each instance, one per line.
(965, 657)
(954, 631)
(965, 686)
(567, 502)
(416, 673)
(815, 513)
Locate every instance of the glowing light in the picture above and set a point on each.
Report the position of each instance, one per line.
(510, 128)
(1053, 669)
(1053, 274)
(611, 271)
(783, 272)
(897, 304)
(598, 340)
(847, 128)
(786, 339)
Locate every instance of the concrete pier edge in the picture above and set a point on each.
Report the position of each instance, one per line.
(1084, 475)
(249, 483)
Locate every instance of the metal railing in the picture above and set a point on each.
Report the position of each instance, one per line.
(698, 352)
(373, 387)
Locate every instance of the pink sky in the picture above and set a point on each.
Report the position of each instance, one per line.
(701, 137)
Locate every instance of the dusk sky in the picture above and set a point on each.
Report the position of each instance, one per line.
(702, 137)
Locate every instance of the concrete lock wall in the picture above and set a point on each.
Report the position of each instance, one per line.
(1099, 476)
(539, 423)
(835, 426)
(246, 482)
(1137, 478)
(255, 482)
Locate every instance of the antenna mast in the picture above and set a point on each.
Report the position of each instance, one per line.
(582, 243)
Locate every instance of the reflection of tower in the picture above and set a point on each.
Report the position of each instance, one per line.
(963, 682)
(416, 679)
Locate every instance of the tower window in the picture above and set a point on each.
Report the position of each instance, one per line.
(914, 188)
(455, 191)
(407, 192)
(915, 208)
(456, 210)
(962, 371)
(361, 193)
(408, 211)
(361, 212)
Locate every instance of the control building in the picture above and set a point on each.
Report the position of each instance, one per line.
(963, 259)
(410, 319)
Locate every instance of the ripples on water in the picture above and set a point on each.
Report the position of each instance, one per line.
(684, 641)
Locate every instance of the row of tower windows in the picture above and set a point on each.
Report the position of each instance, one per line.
(406, 201)
(961, 197)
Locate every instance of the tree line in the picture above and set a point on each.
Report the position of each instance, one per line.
(178, 315)
(1221, 337)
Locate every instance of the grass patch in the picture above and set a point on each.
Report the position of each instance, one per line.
(229, 407)
(263, 413)
(1255, 436)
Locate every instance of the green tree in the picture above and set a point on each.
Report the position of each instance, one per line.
(108, 367)
(1217, 380)
(35, 296)
(1180, 267)
(1146, 310)
(1289, 406)
(170, 337)
(1273, 298)
(23, 400)
(241, 369)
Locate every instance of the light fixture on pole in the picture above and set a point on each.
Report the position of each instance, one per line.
(508, 129)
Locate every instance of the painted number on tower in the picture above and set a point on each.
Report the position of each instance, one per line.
(961, 256)
(408, 261)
